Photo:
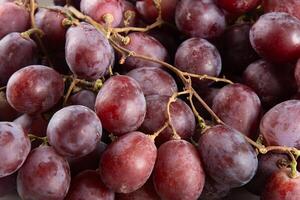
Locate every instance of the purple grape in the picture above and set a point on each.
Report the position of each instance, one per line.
(213, 190)
(128, 9)
(7, 113)
(289, 6)
(84, 97)
(237, 6)
(8, 185)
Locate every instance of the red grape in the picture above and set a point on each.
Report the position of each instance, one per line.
(8, 184)
(34, 89)
(44, 175)
(88, 185)
(7, 113)
(98, 9)
(149, 12)
(14, 148)
(229, 158)
(121, 105)
(239, 107)
(84, 97)
(275, 37)
(282, 187)
(129, 14)
(88, 52)
(280, 125)
(198, 56)
(154, 81)
(289, 6)
(74, 131)
(213, 190)
(33, 124)
(178, 173)
(237, 50)
(127, 163)
(50, 22)
(238, 6)
(200, 18)
(16, 52)
(182, 118)
(13, 18)
(145, 45)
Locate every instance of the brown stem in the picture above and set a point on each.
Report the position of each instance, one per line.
(156, 134)
(2, 88)
(73, 84)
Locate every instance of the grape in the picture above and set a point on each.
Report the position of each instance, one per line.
(4, 1)
(200, 18)
(98, 9)
(121, 105)
(88, 185)
(88, 52)
(15, 52)
(7, 113)
(281, 187)
(33, 124)
(74, 131)
(13, 18)
(145, 45)
(154, 81)
(267, 165)
(279, 126)
(289, 6)
(127, 163)
(229, 159)
(213, 190)
(237, 6)
(275, 37)
(84, 97)
(8, 184)
(50, 22)
(239, 107)
(149, 12)
(181, 115)
(34, 89)
(14, 148)
(198, 56)
(129, 14)
(178, 173)
(237, 50)
(44, 175)
(90, 161)
(268, 81)
(147, 192)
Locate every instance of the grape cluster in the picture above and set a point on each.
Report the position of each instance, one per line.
(149, 99)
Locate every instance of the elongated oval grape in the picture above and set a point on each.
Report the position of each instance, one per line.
(44, 175)
(88, 185)
(237, 6)
(229, 158)
(182, 118)
(84, 97)
(34, 89)
(74, 131)
(50, 22)
(279, 126)
(200, 18)
(144, 45)
(239, 107)
(15, 52)
(88, 52)
(127, 163)
(121, 105)
(178, 172)
(289, 6)
(282, 187)
(198, 56)
(13, 18)
(275, 37)
(154, 81)
(14, 148)
(99, 9)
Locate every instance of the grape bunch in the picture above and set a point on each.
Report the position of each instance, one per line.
(149, 99)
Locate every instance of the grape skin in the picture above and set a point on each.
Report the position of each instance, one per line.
(22, 52)
(14, 148)
(74, 131)
(237, 6)
(88, 52)
(178, 173)
(8, 185)
(154, 81)
(34, 89)
(229, 158)
(121, 105)
(88, 185)
(200, 19)
(84, 97)
(128, 8)
(127, 163)
(213, 190)
(289, 6)
(7, 113)
(44, 175)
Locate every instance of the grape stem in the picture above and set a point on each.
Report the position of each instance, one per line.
(34, 137)
(71, 87)
(3, 88)
(32, 31)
